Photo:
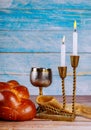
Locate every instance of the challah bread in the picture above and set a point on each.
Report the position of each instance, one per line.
(13, 83)
(4, 86)
(15, 104)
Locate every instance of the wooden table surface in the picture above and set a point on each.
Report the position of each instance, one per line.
(80, 123)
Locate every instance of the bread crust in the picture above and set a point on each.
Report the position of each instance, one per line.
(15, 102)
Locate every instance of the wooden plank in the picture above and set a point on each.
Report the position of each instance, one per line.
(45, 125)
(49, 4)
(43, 41)
(20, 63)
(17, 19)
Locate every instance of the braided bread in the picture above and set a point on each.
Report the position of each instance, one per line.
(15, 104)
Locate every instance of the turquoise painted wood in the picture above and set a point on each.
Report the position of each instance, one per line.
(49, 41)
(49, 4)
(31, 33)
(21, 63)
(39, 19)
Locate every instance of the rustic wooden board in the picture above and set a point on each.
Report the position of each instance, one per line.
(43, 41)
(49, 4)
(24, 61)
(20, 19)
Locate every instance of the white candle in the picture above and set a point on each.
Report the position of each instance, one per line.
(75, 39)
(63, 52)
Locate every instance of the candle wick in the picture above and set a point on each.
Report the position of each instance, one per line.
(74, 30)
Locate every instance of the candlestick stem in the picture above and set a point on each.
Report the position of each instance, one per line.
(74, 64)
(62, 73)
(74, 91)
(63, 92)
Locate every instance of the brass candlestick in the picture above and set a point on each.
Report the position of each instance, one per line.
(67, 116)
(62, 73)
(74, 64)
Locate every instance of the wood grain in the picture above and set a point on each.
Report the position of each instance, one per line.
(48, 41)
(49, 4)
(46, 19)
(24, 62)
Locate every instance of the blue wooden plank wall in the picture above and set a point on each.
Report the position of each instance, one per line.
(31, 32)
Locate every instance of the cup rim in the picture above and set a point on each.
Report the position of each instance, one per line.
(40, 68)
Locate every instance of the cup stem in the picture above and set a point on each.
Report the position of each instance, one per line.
(40, 91)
